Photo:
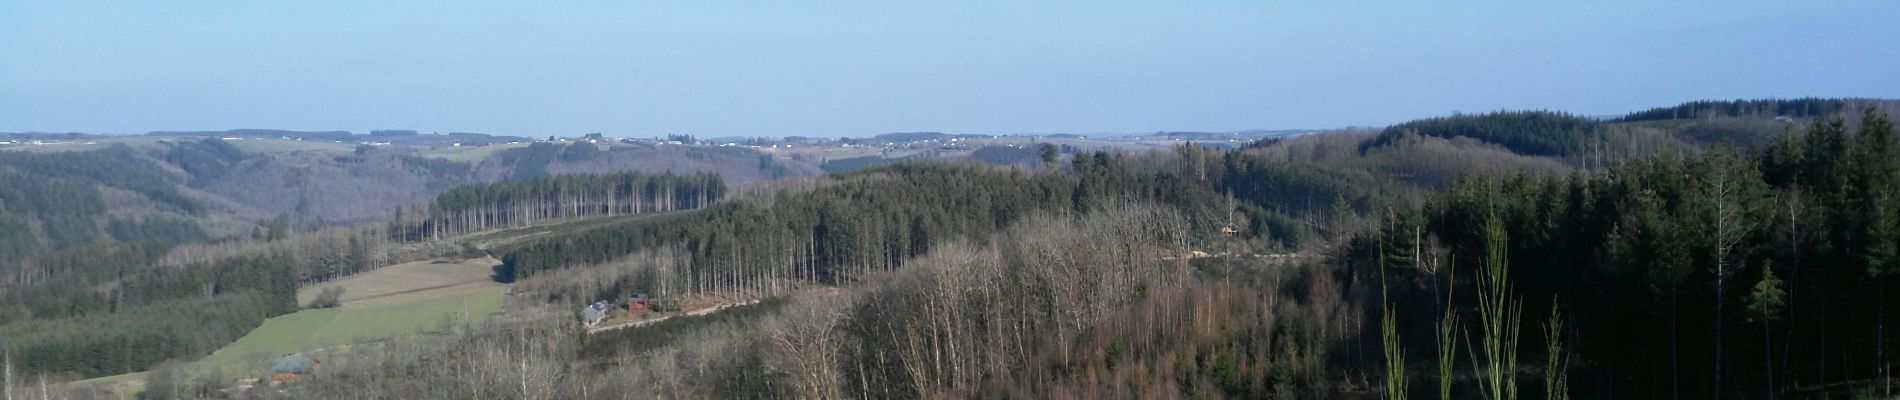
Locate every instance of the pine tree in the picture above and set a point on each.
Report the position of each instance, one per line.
(1557, 359)
(1395, 384)
(1499, 313)
(1765, 303)
(1730, 193)
(1881, 234)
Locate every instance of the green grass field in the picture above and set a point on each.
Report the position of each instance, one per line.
(317, 329)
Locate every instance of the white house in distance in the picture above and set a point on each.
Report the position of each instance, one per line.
(594, 313)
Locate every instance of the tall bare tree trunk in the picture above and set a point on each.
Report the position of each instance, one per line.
(6, 379)
(1730, 226)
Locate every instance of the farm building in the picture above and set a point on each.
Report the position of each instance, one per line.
(288, 368)
(638, 303)
(594, 313)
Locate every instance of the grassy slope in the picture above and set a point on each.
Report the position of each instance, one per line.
(316, 329)
(393, 301)
(408, 282)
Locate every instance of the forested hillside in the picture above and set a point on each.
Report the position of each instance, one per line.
(118, 259)
(1714, 272)
(1712, 275)
(732, 163)
(1470, 256)
(1796, 108)
(1538, 133)
(321, 189)
(57, 201)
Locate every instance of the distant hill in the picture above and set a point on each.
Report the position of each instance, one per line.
(46, 136)
(1542, 133)
(1796, 108)
(1745, 123)
(345, 136)
(736, 164)
(910, 136)
(394, 136)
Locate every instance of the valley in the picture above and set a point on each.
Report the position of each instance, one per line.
(896, 275)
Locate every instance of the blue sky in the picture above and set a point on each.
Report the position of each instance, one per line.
(860, 68)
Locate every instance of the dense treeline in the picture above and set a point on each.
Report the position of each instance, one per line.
(127, 305)
(871, 221)
(315, 257)
(1291, 189)
(16, 243)
(52, 201)
(165, 230)
(62, 209)
(1005, 155)
(1711, 275)
(134, 339)
(204, 160)
(65, 283)
(532, 161)
(118, 166)
(132, 279)
(1543, 133)
(150, 316)
(1795, 108)
(850, 164)
(482, 206)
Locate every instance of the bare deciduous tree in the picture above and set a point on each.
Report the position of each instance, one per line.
(806, 335)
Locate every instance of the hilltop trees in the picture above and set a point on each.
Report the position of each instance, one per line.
(1647, 241)
(1542, 133)
(1798, 108)
(482, 206)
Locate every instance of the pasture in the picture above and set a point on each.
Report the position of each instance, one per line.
(328, 328)
(395, 301)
